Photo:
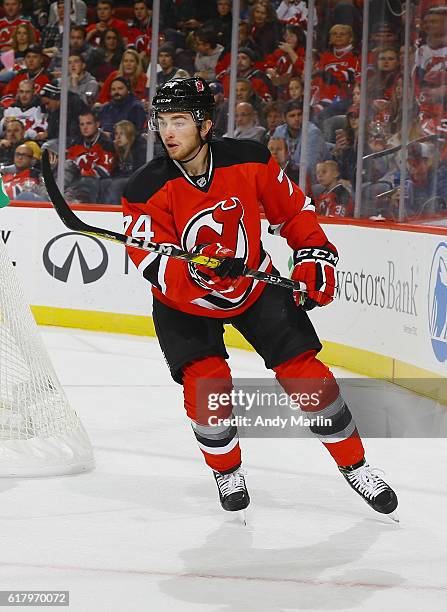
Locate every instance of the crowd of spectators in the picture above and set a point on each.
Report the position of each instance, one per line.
(108, 83)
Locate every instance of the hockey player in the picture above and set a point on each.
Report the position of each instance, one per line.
(204, 197)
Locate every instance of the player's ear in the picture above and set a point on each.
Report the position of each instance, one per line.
(207, 124)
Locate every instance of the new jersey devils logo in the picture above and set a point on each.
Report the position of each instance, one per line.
(223, 223)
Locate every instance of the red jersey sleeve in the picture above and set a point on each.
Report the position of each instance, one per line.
(290, 212)
(153, 221)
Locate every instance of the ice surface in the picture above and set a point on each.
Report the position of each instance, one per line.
(145, 531)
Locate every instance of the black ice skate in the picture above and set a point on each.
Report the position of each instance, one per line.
(232, 490)
(375, 491)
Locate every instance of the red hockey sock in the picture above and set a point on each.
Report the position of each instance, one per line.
(218, 443)
(306, 374)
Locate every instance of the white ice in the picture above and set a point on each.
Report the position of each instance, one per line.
(145, 532)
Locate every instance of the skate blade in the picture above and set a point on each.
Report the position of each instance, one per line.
(393, 516)
(243, 517)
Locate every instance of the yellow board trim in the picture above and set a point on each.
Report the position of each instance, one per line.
(354, 359)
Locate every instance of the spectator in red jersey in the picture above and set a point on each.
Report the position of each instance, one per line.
(387, 72)
(265, 28)
(27, 109)
(89, 159)
(246, 59)
(106, 20)
(22, 176)
(110, 50)
(131, 68)
(34, 71)
(80, 81)
(123, 106)
(244, 42)
(336, 199)
(208, 51)
(14, 135)
(340, 63)
(288, 59)
(141, 25)
(12, 18)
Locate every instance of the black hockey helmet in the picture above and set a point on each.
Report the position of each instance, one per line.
(192, 95)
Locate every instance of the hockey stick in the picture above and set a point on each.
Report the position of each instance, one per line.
(77, 225)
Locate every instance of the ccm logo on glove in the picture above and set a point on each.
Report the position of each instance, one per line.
(315, 266)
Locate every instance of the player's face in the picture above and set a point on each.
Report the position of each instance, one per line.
(179, 135)
(88, 126)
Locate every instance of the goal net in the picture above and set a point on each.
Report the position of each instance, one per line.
(40, 434)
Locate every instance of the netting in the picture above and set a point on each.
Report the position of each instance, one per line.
(40, 434)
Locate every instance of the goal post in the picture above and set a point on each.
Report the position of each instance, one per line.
(40, 433)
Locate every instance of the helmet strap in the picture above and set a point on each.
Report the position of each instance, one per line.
(202, 144)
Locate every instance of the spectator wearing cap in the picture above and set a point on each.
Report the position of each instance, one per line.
(208, 53)
(246, 59)
(124, 106)
(246, 123)
(291, 131)
(27, 109)
(51, 96)
(78, 14)
(80, 81)
(10, 19)
(131, 68)
(13, 137)
(34, 71)
(105, 10)
(89, 159)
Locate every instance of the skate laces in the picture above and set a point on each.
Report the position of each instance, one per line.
(231, 483)
(366, 480)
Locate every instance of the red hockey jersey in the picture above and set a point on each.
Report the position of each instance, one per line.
(93, 159)
(7, 27)
(161, 203)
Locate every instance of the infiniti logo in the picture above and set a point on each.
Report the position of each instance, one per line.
(59, 266)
